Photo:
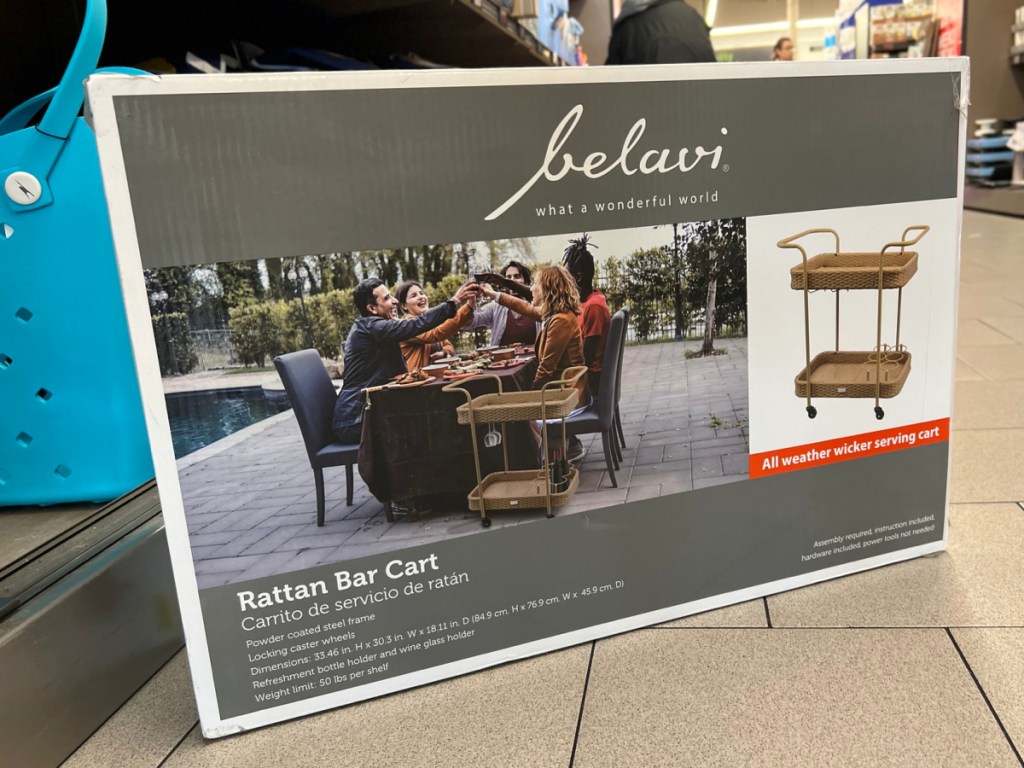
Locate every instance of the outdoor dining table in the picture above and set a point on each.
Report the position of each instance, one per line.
(414, 448)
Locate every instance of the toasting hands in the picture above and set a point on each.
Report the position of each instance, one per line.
(467, 293)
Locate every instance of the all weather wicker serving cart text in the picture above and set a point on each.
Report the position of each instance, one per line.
(881, 372)
(528, 488)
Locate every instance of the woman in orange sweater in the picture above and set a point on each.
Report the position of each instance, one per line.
(412, 300)
(556, 304)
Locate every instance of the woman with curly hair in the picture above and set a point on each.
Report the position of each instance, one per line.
(556, 305)
(413, 301)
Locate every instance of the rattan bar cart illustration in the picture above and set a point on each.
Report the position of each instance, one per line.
(881, 372)
(528, 488)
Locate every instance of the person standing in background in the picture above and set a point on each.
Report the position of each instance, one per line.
(783, 50)
(595, 317)
(659, 32)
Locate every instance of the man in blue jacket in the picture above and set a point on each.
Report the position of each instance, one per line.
(372, 353)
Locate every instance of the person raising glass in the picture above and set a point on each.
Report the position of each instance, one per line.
(556, 305)
(508, 326)
(417, 351)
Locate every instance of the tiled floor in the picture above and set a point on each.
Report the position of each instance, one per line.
(917, 664)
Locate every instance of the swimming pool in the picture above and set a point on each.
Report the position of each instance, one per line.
(201, 418)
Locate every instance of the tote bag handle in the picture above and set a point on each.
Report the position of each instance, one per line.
(25, 184)
(60, 115)
(18, 117)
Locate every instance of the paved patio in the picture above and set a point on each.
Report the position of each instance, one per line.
(251, 503)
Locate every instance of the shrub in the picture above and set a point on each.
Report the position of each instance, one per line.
(330, 317)
(174, 340)
(258, 330)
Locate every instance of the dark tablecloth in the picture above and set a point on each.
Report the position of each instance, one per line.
(413, 446)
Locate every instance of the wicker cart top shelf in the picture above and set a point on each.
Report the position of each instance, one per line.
(554, 400)
(854, 271)
(892, 267)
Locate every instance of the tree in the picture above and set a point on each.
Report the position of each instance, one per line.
(276, 288)
(338, 271)
(521, 249)
(615, 288)
(409, 264)
(437, 263)
(385, 264)
(648, 289)
(183, 293)
(239, 281)
(716, 273)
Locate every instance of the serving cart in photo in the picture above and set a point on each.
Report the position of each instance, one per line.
(529, 488)
(878, 373)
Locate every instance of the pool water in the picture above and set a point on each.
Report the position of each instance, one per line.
(201, 418)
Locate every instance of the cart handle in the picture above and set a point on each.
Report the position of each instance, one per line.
(568, 379)
(456, 386)
(902, 243)
(789, 241)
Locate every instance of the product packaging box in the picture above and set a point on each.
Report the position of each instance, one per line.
(742, 302)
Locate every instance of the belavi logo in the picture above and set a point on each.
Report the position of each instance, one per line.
(595, 165)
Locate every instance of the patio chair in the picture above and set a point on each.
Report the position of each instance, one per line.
(312, 396)
(625, 312)
(600, 416)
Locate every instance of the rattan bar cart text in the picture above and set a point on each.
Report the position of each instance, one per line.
(882, 372)
(519, 489)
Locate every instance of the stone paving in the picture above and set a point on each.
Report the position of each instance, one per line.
(251, 502)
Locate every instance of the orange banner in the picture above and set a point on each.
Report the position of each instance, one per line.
(847, 448)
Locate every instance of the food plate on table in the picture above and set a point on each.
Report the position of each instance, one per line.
(417, 383)
(455, 374)
(415, 378)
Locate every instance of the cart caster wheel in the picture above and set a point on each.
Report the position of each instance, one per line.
(811, 411)
(879, 413)
(486, 522)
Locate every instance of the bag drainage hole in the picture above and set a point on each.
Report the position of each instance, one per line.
(62, 470)
(5, 361)
(23, 314)
(24, 439)
(44, 394)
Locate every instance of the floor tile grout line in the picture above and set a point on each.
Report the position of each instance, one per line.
(113, 714)
(767, 613)
(177, 744)
(984, 695)
(583, 701)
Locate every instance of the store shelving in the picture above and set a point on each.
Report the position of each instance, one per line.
(37, 39)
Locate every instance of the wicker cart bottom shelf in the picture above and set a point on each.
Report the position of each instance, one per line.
(854, 374)
(525, 489)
